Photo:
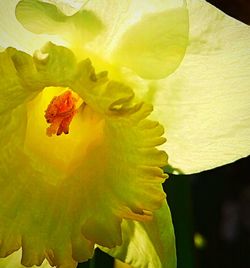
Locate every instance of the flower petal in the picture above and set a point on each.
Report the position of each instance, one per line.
(43, 192)
(13, 34)
(12, 93)
(23, 76)
(28, 202)
(204, 105)
(13, 261)
(148, 244)
(45, 18)
(121, 28)
(138, 162)
(125, 35)
(154, 46)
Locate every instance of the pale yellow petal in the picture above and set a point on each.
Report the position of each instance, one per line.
(13, 34)
(79, 27)
(155, 46)
(204, 105)
(121, 15)
(48, 18)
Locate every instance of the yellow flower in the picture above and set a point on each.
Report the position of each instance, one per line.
(79, 165)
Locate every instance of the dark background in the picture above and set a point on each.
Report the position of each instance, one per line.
(214, 204)
(239, 9)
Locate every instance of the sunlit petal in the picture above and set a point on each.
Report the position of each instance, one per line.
(45, 18)
(153, 48)
(13, 34)
(107, 35)
(149, 244)
(204, 105)
(65, 193)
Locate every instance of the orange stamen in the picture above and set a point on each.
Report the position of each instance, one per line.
(60, 113)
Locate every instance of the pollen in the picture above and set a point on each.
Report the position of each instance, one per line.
(60, 113)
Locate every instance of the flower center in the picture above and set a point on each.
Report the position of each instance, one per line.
(66, 112)
(60, 113)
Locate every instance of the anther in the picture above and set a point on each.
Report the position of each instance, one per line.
(60, 113)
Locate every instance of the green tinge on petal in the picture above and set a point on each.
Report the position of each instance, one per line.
(204, 106)
(12, 33)
(148, 244)
(32, 216)
(46, 180)
(154, 46)
(45, 18)
(12, 92)
(56, 65)
(23, 76)
(14, 261)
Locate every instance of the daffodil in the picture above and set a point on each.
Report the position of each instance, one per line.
(87, 90)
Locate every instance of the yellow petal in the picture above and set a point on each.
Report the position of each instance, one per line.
(63, 194)
(13, 261)
(154, 46)
(120, 17)
(120, 264)
(122, 29)
(44, 18)
(148, 244)
(204, 105)
(12, 93)
(23, 76)
(13, 34)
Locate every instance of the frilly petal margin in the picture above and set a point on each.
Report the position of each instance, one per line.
(59, 216)
(204, 106)
(23, 76)
(148, 244)
(13, 261)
